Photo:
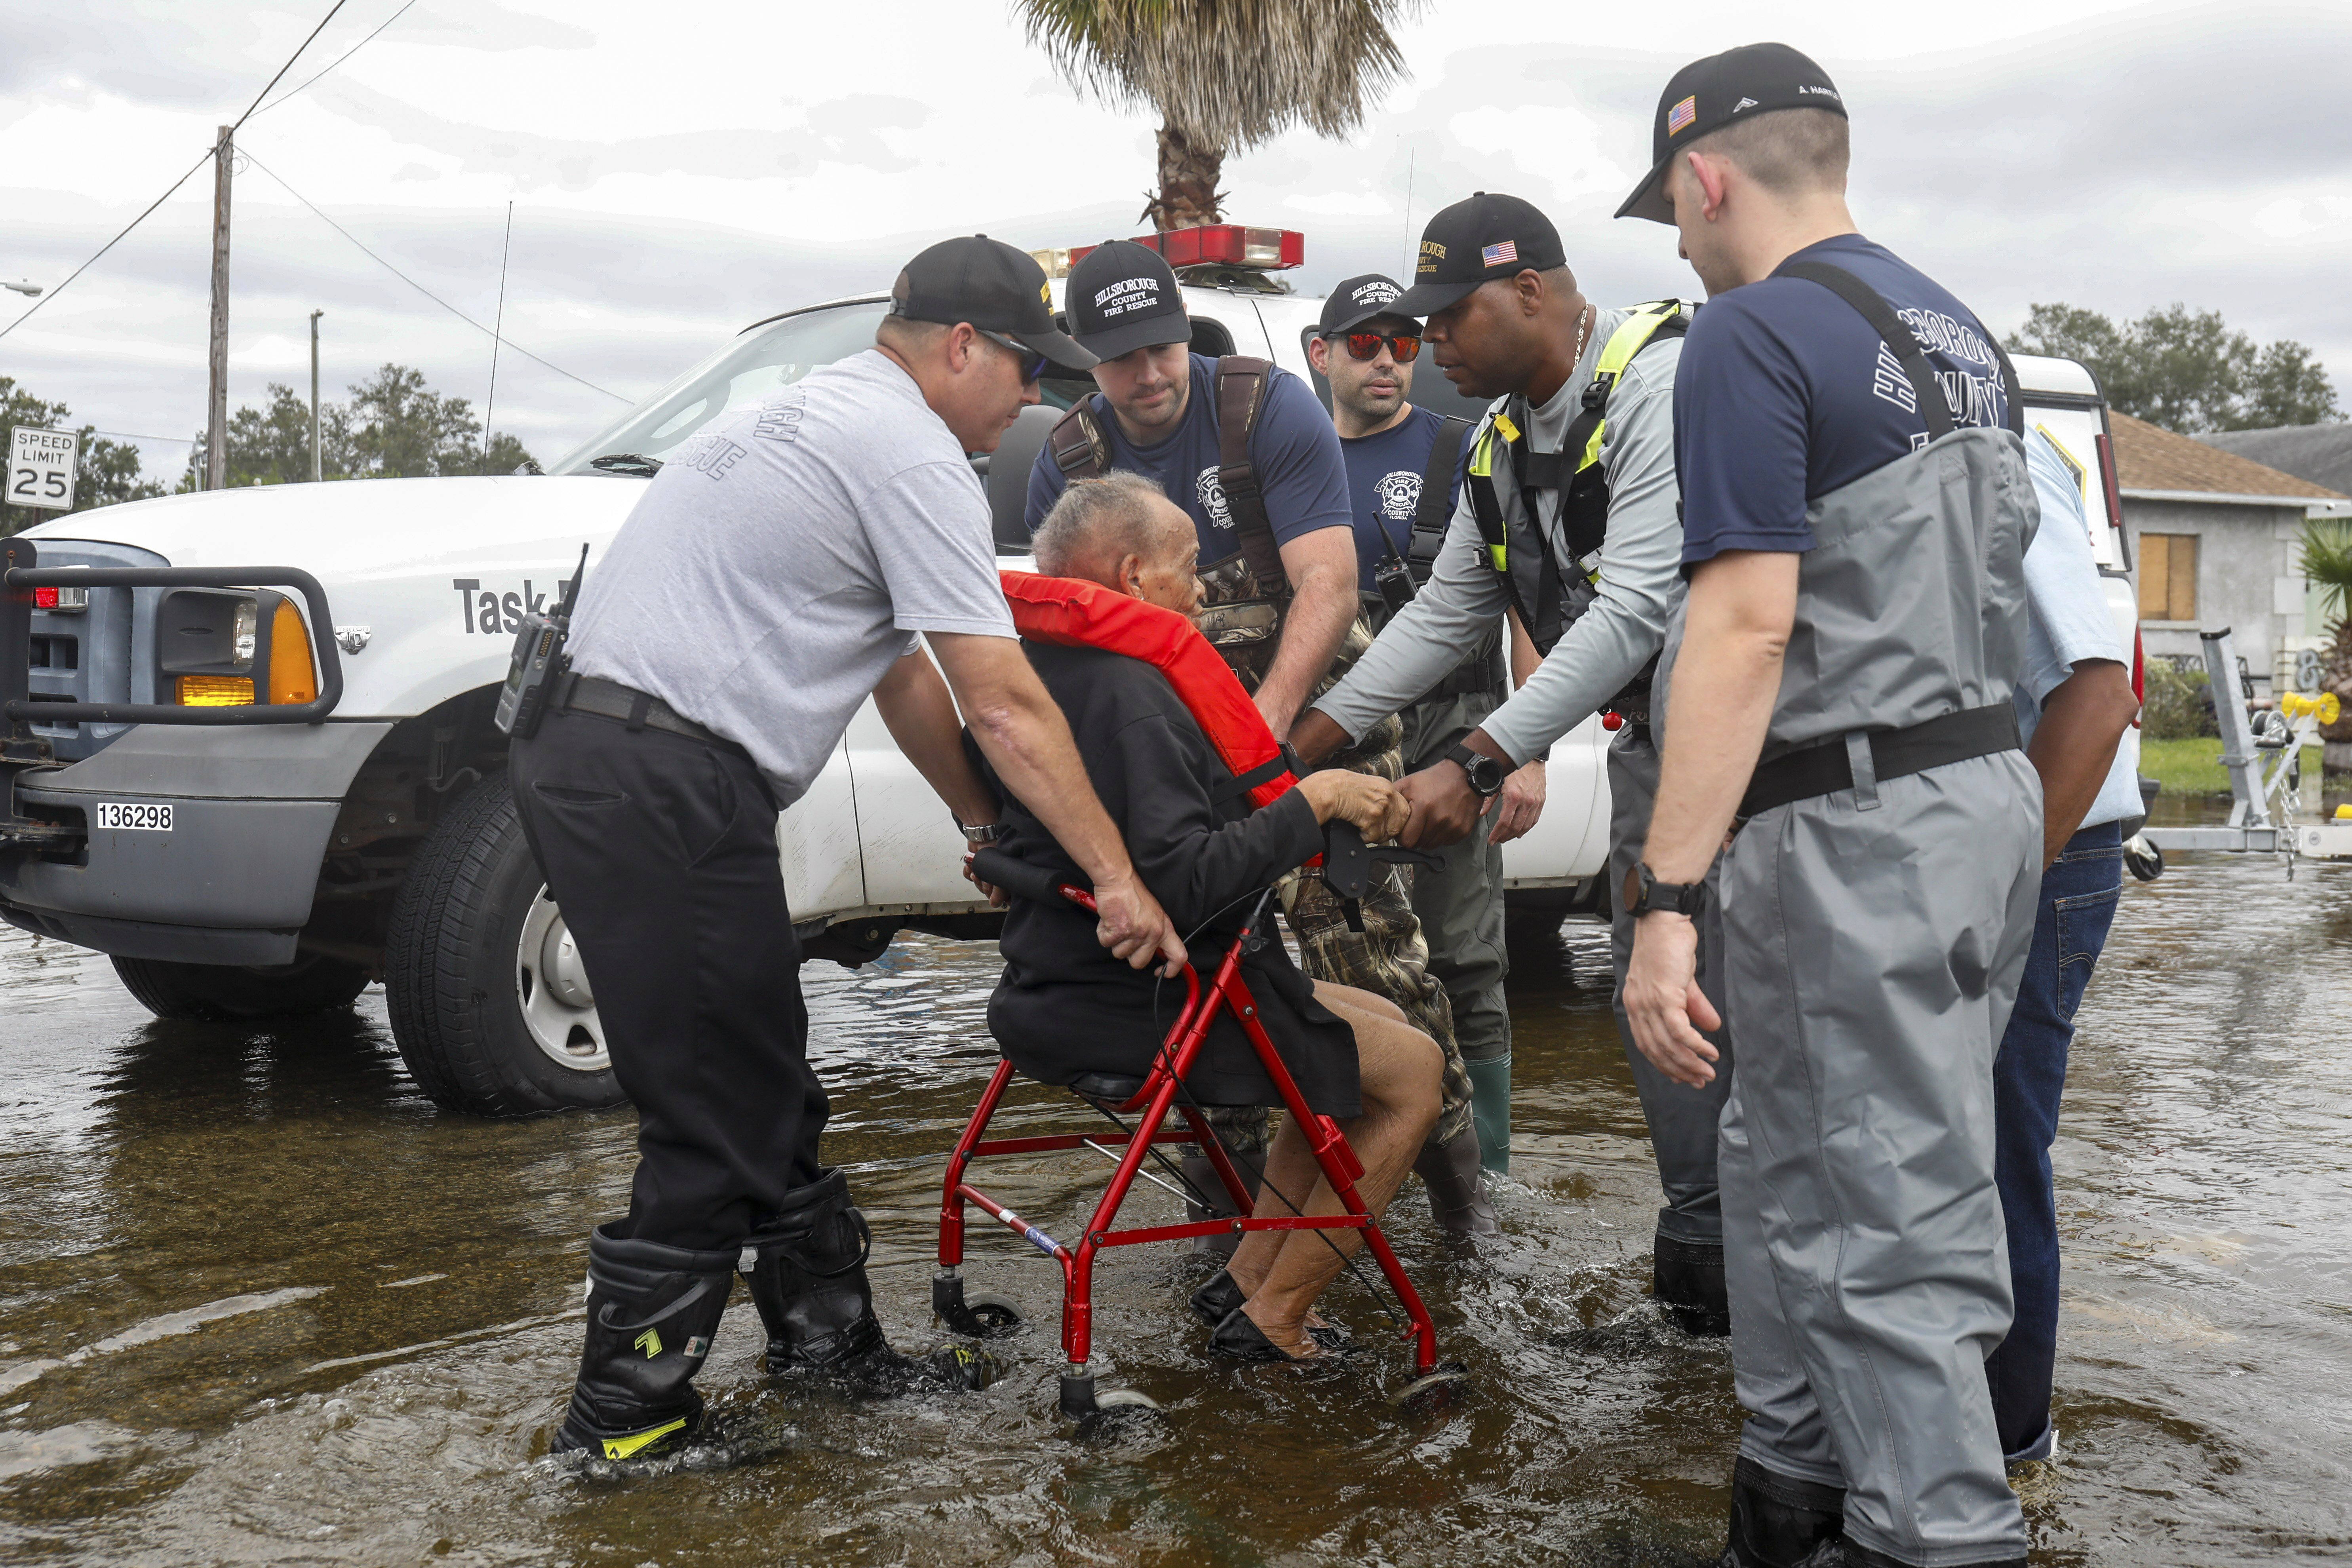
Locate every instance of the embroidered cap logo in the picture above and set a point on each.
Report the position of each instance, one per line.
(1679, 118)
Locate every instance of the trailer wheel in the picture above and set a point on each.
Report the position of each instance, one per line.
(218, 994)
(490, 1007)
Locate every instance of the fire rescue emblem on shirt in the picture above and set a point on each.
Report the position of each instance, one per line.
(1399, 493)
(1209, 491)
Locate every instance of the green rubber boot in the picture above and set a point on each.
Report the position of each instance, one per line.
(1490, 1110)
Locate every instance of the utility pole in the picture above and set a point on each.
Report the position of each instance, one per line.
(216, 403)
(315, 475)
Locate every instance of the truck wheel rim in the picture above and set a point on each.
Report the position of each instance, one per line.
(552, 989)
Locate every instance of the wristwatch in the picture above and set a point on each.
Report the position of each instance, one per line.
(982, 836)
(1485, 773)
(1644, 892)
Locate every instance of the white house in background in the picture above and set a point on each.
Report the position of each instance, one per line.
(2214, 542)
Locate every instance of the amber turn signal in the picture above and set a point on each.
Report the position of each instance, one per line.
(292, 676)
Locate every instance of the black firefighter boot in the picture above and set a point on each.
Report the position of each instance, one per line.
(808, 1280)
(1686, 1277)
(1778, 1521)
(652, 1310)
(1457, 1194)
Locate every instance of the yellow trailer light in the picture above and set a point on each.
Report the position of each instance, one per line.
(216, 691)
(292, 676)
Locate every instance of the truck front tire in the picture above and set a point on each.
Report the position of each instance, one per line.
(220, 993)
(489, 1002)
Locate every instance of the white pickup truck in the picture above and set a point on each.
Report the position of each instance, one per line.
(246, 869)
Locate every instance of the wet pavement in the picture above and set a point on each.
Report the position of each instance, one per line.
(261, 1303)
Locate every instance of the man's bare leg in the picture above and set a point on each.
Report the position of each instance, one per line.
(1281, 1272)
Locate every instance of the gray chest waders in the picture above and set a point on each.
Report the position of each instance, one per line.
(1877, 905)
(1552, 575)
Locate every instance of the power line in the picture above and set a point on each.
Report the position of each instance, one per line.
(289, 66)
(347, 54)
(182, 180)
(109, 245)
(127, 435)
(492, 333)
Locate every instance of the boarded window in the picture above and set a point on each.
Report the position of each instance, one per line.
(2167, 577)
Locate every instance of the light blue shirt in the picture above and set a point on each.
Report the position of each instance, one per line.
(2068, 621)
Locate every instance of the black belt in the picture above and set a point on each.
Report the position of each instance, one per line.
(1893, 753)
(637, 710)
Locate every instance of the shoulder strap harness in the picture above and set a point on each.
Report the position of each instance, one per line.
(1072, 612)
(1900, 340)
(1435, 514)
(1082, 451)
(1517, 546)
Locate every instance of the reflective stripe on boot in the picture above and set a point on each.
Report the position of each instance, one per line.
(652, 1310)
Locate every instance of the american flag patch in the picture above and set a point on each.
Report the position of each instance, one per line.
(1679, 117)
(1496, 255)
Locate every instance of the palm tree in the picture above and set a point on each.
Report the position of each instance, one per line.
(2328, 561)
(1226, 75)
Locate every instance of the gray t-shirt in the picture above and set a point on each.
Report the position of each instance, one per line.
(780, 561)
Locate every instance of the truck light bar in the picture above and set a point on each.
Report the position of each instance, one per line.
(1211, 245)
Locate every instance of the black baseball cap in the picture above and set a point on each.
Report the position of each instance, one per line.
(1360, 299)
(1477, 241)
(1709, 94)
(1122, 296)
(988, 283)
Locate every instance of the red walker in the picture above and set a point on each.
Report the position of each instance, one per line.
(1153, 1097)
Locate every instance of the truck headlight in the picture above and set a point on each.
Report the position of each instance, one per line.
(226, 648)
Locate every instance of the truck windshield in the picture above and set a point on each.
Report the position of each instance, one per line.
(745, 372)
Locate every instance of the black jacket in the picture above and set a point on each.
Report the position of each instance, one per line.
(1065, 1005)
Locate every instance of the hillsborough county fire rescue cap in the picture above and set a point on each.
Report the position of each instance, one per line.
(1360, 299)
(1477, 241)
(1709, 94)
(1122, 296)
(988, 283)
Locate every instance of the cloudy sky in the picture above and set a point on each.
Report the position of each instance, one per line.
(680, 171)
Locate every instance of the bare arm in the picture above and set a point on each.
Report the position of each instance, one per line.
(1022, 732)
(1321, 567)
(1734, 633)
(921, 717)
(1524, 656)
(2083, 721)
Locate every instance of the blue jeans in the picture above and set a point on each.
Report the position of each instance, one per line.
(2077, 907)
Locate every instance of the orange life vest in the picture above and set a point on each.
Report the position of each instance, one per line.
(1074, 613)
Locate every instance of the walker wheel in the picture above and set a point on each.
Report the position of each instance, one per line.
(1438, 1391)
(983, 1317)
(1125, 1399)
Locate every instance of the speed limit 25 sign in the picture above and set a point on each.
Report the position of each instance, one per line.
(40, 469)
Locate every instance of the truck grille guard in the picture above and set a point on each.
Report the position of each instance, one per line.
(22, 750)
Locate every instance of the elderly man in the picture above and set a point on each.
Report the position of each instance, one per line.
(1066, 1006)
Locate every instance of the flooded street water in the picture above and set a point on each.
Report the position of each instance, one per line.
(261, 1303)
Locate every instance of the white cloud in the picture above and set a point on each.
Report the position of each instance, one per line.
(674, 182)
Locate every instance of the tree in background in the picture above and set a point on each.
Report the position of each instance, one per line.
(104, 471)
(1225, 75)
(2185, 369)
(394, 426)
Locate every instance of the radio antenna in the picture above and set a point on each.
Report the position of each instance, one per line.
(491, 406)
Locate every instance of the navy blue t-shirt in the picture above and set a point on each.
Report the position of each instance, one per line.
(1785, 394)
(1297, 453)
(1384, 473)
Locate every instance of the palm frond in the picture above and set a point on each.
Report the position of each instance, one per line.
(1229, 74)
(2327, 561)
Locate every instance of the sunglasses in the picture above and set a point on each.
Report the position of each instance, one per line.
(1404, 346)
(1033, 363)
